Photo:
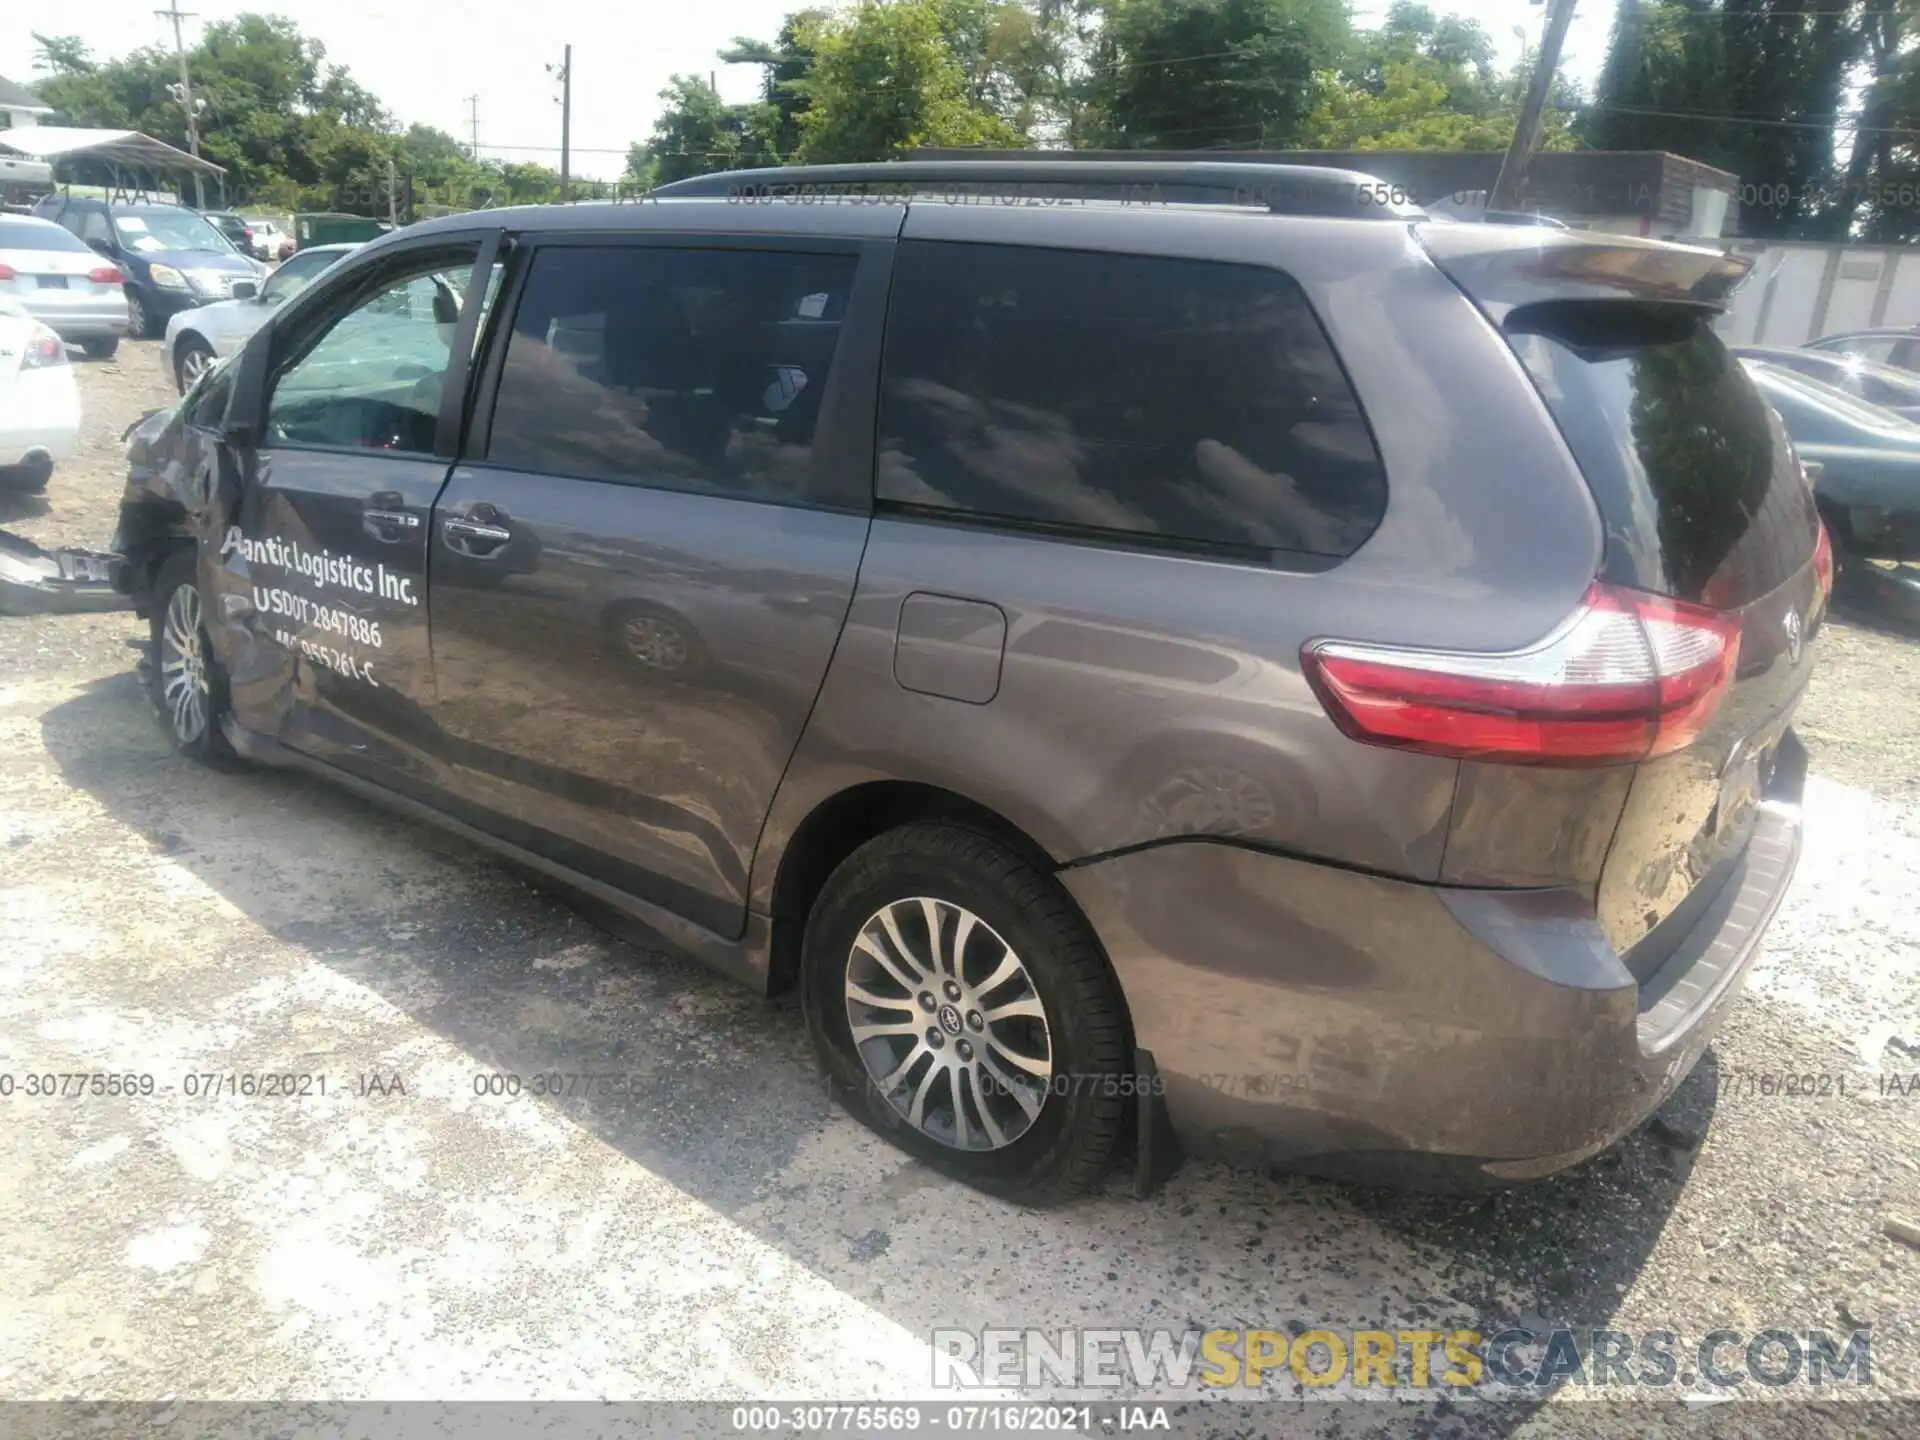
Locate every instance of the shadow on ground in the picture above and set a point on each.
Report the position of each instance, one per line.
(731, 1092)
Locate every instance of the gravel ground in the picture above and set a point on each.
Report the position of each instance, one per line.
(724, 1232)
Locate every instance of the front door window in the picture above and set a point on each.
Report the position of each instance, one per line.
(373, 379)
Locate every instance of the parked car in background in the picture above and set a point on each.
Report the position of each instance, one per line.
(61, 283)
(1867, 481)
(270, 242)
(1886, 386)
(39, 401)
(1466, 557)
(173, 258)
(196, 338)
(238, 232)
(1899, 348)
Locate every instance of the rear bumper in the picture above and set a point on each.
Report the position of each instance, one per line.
(1384, 1030)
(93, 321)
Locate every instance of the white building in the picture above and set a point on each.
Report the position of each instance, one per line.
(19, 107)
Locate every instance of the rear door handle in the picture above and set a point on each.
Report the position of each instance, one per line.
(397, 518)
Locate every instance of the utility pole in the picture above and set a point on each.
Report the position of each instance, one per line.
(1526, 134)
(473, 125)
(566, 124)
(174, 13)
(393, 198)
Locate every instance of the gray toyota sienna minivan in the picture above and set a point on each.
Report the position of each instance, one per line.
(1135, 646)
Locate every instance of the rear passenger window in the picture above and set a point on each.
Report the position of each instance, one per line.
(1174, 400)
(688, 369)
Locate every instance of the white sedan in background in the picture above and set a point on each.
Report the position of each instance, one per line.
(198, 337)
(39, 401)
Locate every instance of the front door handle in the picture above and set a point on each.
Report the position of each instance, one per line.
(470, 537)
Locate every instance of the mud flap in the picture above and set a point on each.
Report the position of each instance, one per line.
(1156, 1150)
(69, 581)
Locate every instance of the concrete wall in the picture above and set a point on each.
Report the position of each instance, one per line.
(1799, 292)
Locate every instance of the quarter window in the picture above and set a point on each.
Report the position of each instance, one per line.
(687, 369)
(1183, 402)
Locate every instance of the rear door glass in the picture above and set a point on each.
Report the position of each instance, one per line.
(1697, 485)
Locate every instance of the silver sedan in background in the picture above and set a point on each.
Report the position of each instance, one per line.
(198, 337)
(57, 280)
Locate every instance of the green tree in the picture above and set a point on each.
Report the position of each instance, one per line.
(1755, 87)
(884, 83)
(698, 132)
(787, 63)
(1198, 74)
(1422, 82)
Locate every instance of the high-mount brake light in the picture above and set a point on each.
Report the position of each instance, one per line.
(1626, 677)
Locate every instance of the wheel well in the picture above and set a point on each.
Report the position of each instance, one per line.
(844, 823)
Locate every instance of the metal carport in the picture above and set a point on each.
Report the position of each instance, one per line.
(120, 151)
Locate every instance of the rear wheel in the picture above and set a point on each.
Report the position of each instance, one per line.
(962, 1009)
(192, 358)
(189, 687)
(101, 349)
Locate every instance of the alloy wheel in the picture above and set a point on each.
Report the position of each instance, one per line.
(194, 362)
(183, 666)
(948, 1024)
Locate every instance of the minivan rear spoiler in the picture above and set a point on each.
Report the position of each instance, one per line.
(1503, 268)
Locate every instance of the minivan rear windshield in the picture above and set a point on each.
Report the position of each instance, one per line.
(1697, 485)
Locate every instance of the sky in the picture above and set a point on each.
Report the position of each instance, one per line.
(425, 59)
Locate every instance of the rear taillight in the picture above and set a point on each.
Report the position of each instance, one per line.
(1823, 564)
(42, 350)
(107, 275)
(1626, 677)
(7, 272)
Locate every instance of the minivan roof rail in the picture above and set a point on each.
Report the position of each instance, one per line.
(1281, 189)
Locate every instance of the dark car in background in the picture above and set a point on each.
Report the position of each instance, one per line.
(1898, 347)
(239, 234)
(1311, 676)
(1885, 386)
(173, 257)
(1868, 482)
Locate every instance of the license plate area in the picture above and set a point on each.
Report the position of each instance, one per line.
(53, 282)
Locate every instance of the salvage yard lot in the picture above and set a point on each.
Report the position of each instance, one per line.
(715, 1229)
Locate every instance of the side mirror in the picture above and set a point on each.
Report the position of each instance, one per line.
(245, 290)
(100, 247)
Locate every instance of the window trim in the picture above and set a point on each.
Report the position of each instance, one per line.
(1270, 557)
(292, 340)
(841, 472)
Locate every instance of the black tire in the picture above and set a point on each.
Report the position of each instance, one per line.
(102, 349)
(1067, 1146)
(203, 742)
(139, 317)
(28, 479)
(189, 348)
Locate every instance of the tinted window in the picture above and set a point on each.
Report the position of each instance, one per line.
(373, 377)
(1178, 400)
(1695, 480)
(93, 226)
(691, 369)
(34, 235)
(295, 274)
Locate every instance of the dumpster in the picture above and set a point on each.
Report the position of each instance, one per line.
(327, 228)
